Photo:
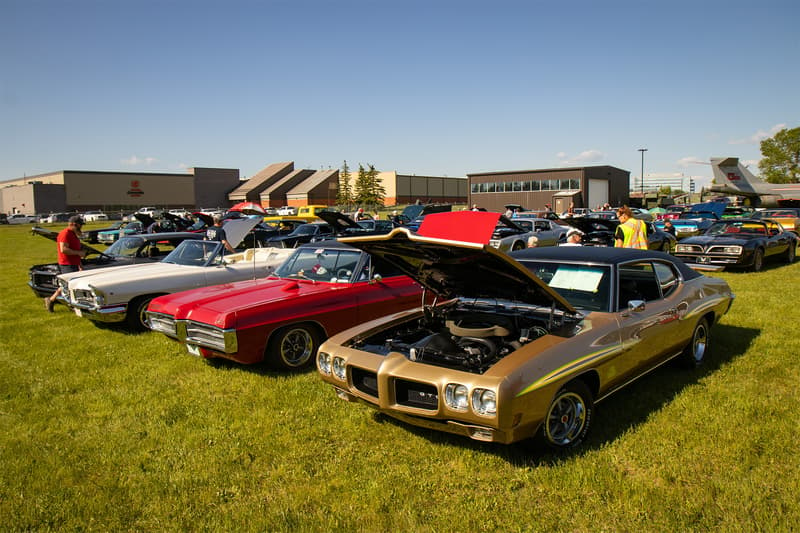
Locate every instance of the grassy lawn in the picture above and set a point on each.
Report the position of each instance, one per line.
(106, 430)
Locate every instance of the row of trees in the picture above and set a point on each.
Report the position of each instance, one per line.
(366, 192)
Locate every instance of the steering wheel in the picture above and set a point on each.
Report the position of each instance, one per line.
(343, 273)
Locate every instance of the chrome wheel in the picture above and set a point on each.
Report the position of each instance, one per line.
(568, 417)
(695, 353)
(294, 347)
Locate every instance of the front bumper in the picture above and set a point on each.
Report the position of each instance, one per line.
(108, 314)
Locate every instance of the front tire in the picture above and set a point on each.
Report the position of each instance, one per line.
(293, 347)
(791, 253)
(758, 260)
(135, 319)
(694, 355)
(569, 416)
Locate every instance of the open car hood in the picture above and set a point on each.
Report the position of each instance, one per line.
(53, 236)
(452, 268)
(590, 225)
(145, 219)
(338, 221)
(205, 217)
(466, 226)
(238, 228)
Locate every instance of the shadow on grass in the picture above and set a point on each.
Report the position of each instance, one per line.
(622, 411)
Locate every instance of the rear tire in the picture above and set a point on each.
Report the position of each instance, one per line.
(569, 416)
(694, 355)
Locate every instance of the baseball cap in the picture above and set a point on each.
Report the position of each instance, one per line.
(574, 231)
(75, 220)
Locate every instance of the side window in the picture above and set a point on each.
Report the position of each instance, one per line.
(667, 278)
(637, 281)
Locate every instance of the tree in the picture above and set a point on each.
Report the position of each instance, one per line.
(344, 196)
(780, 162)
(361, 192)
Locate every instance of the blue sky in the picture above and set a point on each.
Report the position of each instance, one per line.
(421, 87)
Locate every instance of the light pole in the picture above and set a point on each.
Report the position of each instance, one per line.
(643, 150)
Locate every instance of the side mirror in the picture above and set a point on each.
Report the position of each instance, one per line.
(636, 306)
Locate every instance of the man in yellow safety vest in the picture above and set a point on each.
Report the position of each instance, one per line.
(631, 232)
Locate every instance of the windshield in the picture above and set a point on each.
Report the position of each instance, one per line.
(305, 229)
(321, 264)
(195, 253)
(585, 287)
(744, 229)
(698, 214)
(125, 247)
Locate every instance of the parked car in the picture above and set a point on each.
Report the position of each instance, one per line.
(302, 234)
(121, 294)
(545, 232)
(140, 225)
(739, 243)
(345, 226)
(287, 211)
(19, 218)
(319, 290)
(413, 215)
(520, 345)
(94, 216)
(691, 223)
(600, 232)
(128, 250)
(787, 217)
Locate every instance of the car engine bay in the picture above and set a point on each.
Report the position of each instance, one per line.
(469, 335)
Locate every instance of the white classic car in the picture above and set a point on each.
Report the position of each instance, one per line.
(121, 294)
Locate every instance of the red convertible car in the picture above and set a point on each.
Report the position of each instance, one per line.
(321, 289)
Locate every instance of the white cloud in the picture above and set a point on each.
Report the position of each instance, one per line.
(587, 156)
(135, 161)
(691, 160)
(759, 136)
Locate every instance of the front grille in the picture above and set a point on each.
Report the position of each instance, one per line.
(42, 279)
(210, 337)
(162, 323)
(413, 394)
(365, 381)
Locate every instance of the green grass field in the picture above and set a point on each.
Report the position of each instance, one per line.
(106, 430)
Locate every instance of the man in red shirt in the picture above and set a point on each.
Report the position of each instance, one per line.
(70, 253)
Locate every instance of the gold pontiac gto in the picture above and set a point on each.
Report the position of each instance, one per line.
(523, 345)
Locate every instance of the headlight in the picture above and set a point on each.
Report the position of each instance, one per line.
(734, 250)
(324, 362)
(484, 402)
(339, 368)
(683, 248)
(455, 396)
(98, 295)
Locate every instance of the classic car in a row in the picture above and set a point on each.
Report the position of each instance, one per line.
(321, 289)
(121, 294)
(522, 344)
(739, 243)
(787, 217)
(145, 248)
(521, 232)
(696, 220)
(600, 232)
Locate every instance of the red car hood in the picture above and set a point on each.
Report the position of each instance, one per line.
(218, 305)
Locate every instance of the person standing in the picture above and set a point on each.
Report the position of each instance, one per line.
(631, 232)
(70, 253)
(217, 233)
(669, 227)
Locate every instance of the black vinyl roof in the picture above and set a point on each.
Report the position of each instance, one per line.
(600, 254)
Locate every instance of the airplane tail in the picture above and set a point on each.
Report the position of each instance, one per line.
(729, 173)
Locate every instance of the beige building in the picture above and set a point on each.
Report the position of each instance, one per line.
(80, 190)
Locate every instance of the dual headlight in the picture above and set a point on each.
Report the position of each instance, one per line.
(331, 365)
(482, 401)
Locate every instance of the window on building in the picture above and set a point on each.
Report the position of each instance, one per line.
(563, 185)
(536, 185)
(574, 184)
(475, 187)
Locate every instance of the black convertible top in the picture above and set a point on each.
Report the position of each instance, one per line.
(600, 254)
